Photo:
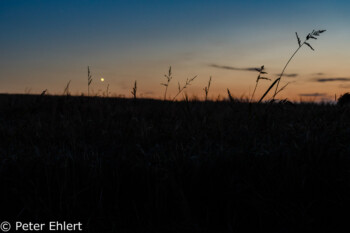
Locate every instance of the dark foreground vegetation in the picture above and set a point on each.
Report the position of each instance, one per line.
(122, 165)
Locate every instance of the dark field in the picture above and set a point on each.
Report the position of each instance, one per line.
(121, 165)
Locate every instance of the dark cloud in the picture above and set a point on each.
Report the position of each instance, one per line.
(235, 68)
(343, 79)
(292, 75)
(313, 94)
(320, 74)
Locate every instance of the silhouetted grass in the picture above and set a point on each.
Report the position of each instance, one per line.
(187, 83)
(89, 80)
(206, 89)
(261, 72)
(312, 35)
(168, 77)
(134, 90)
(123, 165)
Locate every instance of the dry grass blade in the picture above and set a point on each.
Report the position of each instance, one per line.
(89, 80)
(261, 71)
(309, 45)
(311, 35)
(282, 88)
(230, 96)
(169, 78)
(134, 90)
(299, 41)
(206, 89)
(268, 90)
(66, 89)
(187, 83)
(43, 92)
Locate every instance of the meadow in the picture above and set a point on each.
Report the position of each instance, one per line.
(143, 165)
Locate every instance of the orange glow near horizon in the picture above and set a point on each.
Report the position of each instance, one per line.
(312, 75)
(213, 42)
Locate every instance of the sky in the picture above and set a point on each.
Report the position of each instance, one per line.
(44, 44)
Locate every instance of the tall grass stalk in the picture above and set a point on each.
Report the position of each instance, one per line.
(232, 100)
(169, 78)
(187, 83)
(261, 71)
(66, 89)
(311, 35)
(134, 90)
(206, 89)
(43, 92)
(89, 80)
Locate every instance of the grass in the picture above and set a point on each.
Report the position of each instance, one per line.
(180, 89)
(143, 165)
(311, 35)
(66, 89)
(206, 89)
(168, 77)
(124, 165)
(89, 80)
(261, 72)
(134, 90)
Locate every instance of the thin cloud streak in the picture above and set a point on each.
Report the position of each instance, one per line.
(313, 94)
(322, 80)
(148, 93)
(292, 75)
(235, 68)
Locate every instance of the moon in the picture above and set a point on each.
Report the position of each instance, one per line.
(102, 79)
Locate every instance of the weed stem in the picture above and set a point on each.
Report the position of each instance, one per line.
(279, 78)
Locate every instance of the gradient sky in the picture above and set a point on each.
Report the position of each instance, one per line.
(44, 44)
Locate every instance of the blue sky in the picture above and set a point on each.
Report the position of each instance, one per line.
(44, 44)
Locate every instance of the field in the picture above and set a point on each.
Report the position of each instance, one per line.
(142, 165)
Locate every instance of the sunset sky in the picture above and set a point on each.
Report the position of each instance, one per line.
(44, 44)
